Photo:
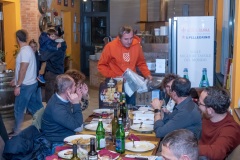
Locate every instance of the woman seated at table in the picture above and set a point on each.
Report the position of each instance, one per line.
(63, 114)
(79, 79)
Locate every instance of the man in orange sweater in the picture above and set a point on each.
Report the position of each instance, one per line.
(220, 133)
(123, 52)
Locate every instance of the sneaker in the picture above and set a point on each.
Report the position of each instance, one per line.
(41, 79)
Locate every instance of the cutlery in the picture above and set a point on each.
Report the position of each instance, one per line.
(140, 125)
(133, 143)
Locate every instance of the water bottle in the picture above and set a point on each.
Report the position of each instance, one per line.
(120, 137)
(204, 80)
(185, 73)
(100, 135)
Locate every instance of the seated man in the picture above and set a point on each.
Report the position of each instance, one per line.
(220, 133)
(180, 144)
(185, 115)
(63, 115)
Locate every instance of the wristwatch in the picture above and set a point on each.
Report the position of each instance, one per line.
(17, 85)
(157, 110)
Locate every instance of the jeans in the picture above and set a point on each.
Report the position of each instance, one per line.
(30, 98)
(49, 85)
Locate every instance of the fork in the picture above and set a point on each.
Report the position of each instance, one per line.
(140, 125)
(133, 143)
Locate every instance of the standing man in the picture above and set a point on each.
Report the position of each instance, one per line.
(220, 132)
(185, 114)
(27, 92)
(123, 52)
(55, 66)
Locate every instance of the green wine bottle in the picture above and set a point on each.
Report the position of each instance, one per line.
(114, 125)
(120, 137)
(100, 135)
(75, 157)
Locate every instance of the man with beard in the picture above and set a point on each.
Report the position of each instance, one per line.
(220, 133)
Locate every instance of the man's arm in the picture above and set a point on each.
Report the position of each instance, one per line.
(71, 121)
(103, 64)
(21, 76)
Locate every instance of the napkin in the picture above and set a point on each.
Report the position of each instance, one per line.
(97, 115)
(60, 148)
(134, 137)
(52, 157)
(107, 152)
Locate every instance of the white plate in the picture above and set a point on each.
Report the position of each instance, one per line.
(70, 138)
(143, 112)
(93, 127)
(81, 154)
(145, 127)
(143, 108)
(100, 111)
(141, 146)
(106, 155)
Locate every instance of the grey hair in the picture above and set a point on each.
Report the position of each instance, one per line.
(182, 142)
(63, 82)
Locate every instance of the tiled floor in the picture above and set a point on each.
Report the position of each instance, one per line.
(93, 104)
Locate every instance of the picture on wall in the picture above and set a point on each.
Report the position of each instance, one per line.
(66, 3)
(72, 3)
(59, 2)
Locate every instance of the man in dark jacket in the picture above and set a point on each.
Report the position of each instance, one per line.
(185, 115)
(63, 115)
(55, 66)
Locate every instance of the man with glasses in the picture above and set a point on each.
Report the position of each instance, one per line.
(220, 133)
(185, 115)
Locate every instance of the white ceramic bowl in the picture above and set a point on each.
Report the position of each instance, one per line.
(98, 55)
(92, 57)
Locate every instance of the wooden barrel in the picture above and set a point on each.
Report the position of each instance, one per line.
(7, 97)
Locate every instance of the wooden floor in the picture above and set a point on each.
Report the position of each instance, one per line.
(93, 104)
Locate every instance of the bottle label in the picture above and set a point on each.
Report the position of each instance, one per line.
(102, 143)
(204, 83)
(119, 144)
(93, 157)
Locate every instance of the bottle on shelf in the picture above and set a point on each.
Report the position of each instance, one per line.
(92, 154)
(100, 135)
(121, 110)
(75, 156)
(124, 106)
(185, 73)
(204, 80)
(114, 125)
(120, 137)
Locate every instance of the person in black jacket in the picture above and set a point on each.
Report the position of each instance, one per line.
(55, 65)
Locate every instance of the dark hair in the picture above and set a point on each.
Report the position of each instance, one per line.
(76, 75)
(182, 142)
(51, 32)
(60, 32)
(22, 35)
(181, 86)
(33, 41)
(218, 99)
(168, 78)
(125, 29)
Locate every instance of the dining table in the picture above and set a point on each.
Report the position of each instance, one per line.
(143, 136)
